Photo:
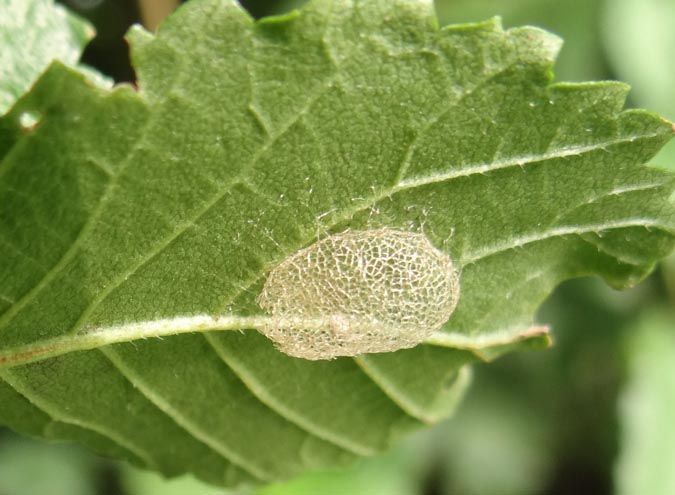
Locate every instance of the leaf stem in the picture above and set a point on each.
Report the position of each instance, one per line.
(98, 337)
(102, 336)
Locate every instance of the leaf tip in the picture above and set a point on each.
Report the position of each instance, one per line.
(275, 20)
(538, 44)
(539, 335)
(137, 36)
(81, 28)
(493, 24)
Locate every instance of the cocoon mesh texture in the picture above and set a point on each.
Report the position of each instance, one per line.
(359, 292)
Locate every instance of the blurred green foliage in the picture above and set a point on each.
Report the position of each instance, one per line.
(640, 42)
(646, 408)
(34, 468)
(544, 422)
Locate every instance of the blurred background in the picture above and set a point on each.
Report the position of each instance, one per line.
(593, 415)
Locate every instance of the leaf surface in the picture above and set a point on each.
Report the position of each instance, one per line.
(245, 142)
(32, 34)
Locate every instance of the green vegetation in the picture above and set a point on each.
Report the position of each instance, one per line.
(128, 212)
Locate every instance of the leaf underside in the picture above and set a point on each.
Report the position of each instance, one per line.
(244, 143)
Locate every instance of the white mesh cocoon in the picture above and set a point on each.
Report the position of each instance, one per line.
(359, 292)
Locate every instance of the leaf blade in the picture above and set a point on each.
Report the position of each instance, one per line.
(216, 172)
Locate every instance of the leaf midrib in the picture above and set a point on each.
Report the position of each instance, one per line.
(71, 342)
(466, 171)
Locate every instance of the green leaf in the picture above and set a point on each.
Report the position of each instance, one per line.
(130, 214)
(646, 409)
(32, 34)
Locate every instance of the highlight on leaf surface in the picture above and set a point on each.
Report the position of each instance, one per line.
(359, 292)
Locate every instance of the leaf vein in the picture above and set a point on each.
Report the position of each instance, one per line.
(168, 409)
(258, 390)
(6, 376)
(561, 231)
